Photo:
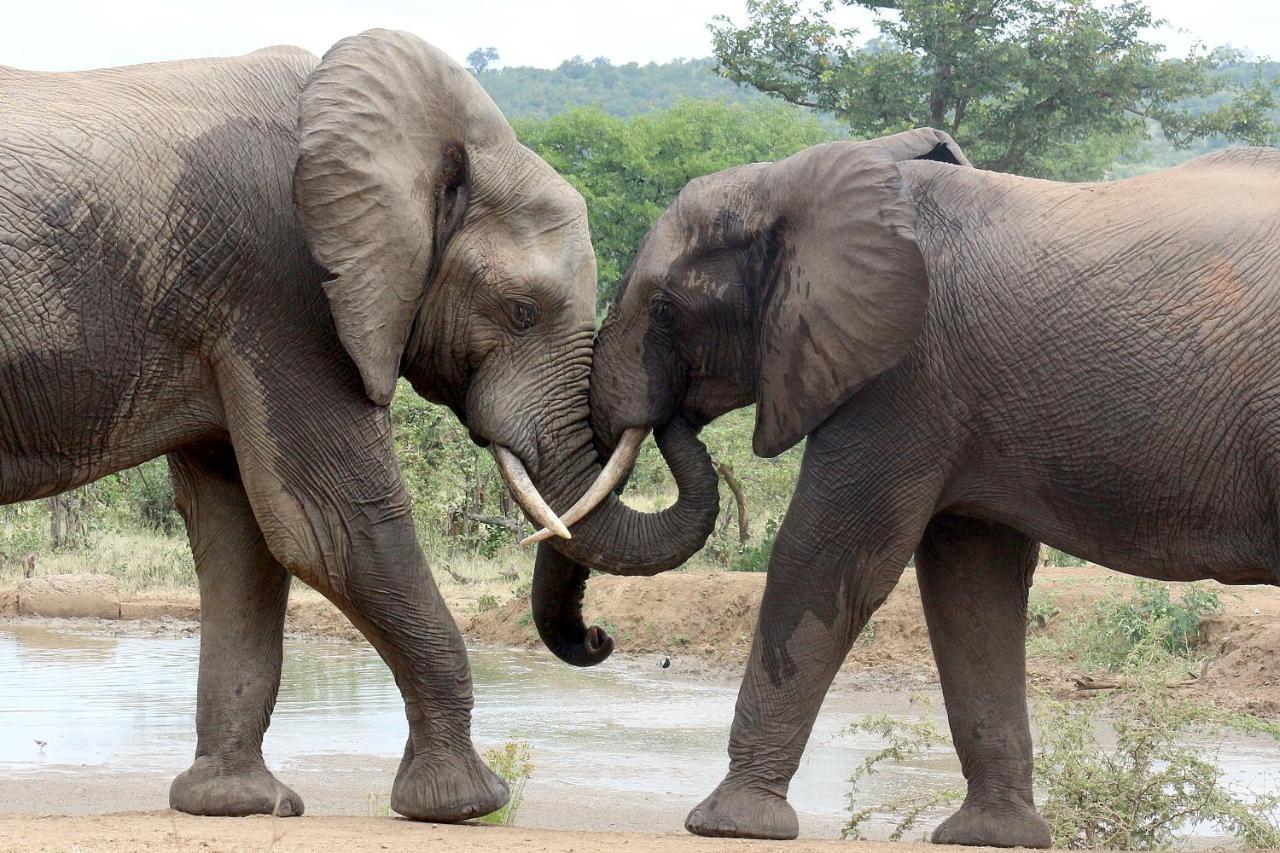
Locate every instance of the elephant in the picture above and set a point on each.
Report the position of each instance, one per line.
(230, 262)
(980, 363)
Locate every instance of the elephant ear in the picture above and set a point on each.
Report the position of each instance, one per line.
(388, 130)
(847, 287)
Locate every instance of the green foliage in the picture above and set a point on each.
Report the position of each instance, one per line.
(513, 762)
(481, 58)
(629, 170)
(1147, 792)
(905, 740)
(1156, 783)
(1047, 88)
(486, 602)
(1040, 610)
(1054, 557)
(619, 90)
(448, 479)
(1147, 626)
(755, 557)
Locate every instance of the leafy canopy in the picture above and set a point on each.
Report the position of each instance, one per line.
(1047, 88)
(629, 170)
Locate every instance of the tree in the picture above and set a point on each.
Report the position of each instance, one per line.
(1048, 88)
(481, 58)
(629, 170)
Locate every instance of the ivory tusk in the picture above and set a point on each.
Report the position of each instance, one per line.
(620, 462)
(522, 488)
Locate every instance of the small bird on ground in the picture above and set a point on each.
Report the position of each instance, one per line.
(665, 662)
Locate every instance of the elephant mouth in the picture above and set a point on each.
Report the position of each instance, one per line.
(521, 486)
(614, 472)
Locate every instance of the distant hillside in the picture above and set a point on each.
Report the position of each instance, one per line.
(621, 90)
(632, 89)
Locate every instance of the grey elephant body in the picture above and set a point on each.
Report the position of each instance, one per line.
(981, 362)
(230, 261)
(160, 298)
(125, 265)
(1099, 375)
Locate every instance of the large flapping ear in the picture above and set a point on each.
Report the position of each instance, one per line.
(847, 288)
(388, 127)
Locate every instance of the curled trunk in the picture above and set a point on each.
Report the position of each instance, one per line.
(619, 540)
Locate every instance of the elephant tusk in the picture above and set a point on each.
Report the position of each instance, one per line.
(620, 462)
(522, 488)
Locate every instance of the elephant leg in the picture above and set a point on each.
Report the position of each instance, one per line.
(243, 594)
(322, 476)
(828, 574)
(393, 599)
(974, 577)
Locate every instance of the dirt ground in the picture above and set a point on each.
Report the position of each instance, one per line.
(170, 832)
(709, 618)
(705, 621)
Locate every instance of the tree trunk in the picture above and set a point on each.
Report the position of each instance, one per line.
(739, 498)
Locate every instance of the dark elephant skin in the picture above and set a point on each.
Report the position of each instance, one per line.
(229, 262)
(980, 363)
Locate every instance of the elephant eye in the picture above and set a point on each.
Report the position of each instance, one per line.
(662, 311)
(524, 314)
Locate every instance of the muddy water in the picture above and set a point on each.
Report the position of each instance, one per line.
(627, 731)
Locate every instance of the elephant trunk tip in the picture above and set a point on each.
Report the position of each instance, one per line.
(596, 646)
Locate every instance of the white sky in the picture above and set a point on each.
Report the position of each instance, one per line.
(58, 35)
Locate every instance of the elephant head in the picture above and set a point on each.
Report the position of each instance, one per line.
(787, 285)
(459, 259)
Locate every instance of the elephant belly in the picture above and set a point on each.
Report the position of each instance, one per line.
(1184, 534)
(69, 417)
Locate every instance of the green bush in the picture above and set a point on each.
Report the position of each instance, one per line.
(1148, 625)
(1148, 792)
(755, 558)
(905, 740)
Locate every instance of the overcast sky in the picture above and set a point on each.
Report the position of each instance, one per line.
(60, 35)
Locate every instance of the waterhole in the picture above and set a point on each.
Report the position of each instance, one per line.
(79, 703)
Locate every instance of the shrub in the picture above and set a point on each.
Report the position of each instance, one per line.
(1148, 624)
(1147, 792)
(906, 740)
(1041, 609)
(513, 762)
(755, 558)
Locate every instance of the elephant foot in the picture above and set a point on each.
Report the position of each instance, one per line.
(988, 825)
(212, 787)
(447, 788)
(743, 812)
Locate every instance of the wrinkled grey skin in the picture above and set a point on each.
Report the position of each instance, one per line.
(981, 363)
(229, 261)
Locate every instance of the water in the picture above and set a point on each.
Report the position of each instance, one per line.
(109, 704)
(127, 703)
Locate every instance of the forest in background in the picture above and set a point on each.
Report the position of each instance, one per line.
(628, 137)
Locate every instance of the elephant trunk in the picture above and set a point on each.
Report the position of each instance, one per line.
(617, 539)
(559, 585)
